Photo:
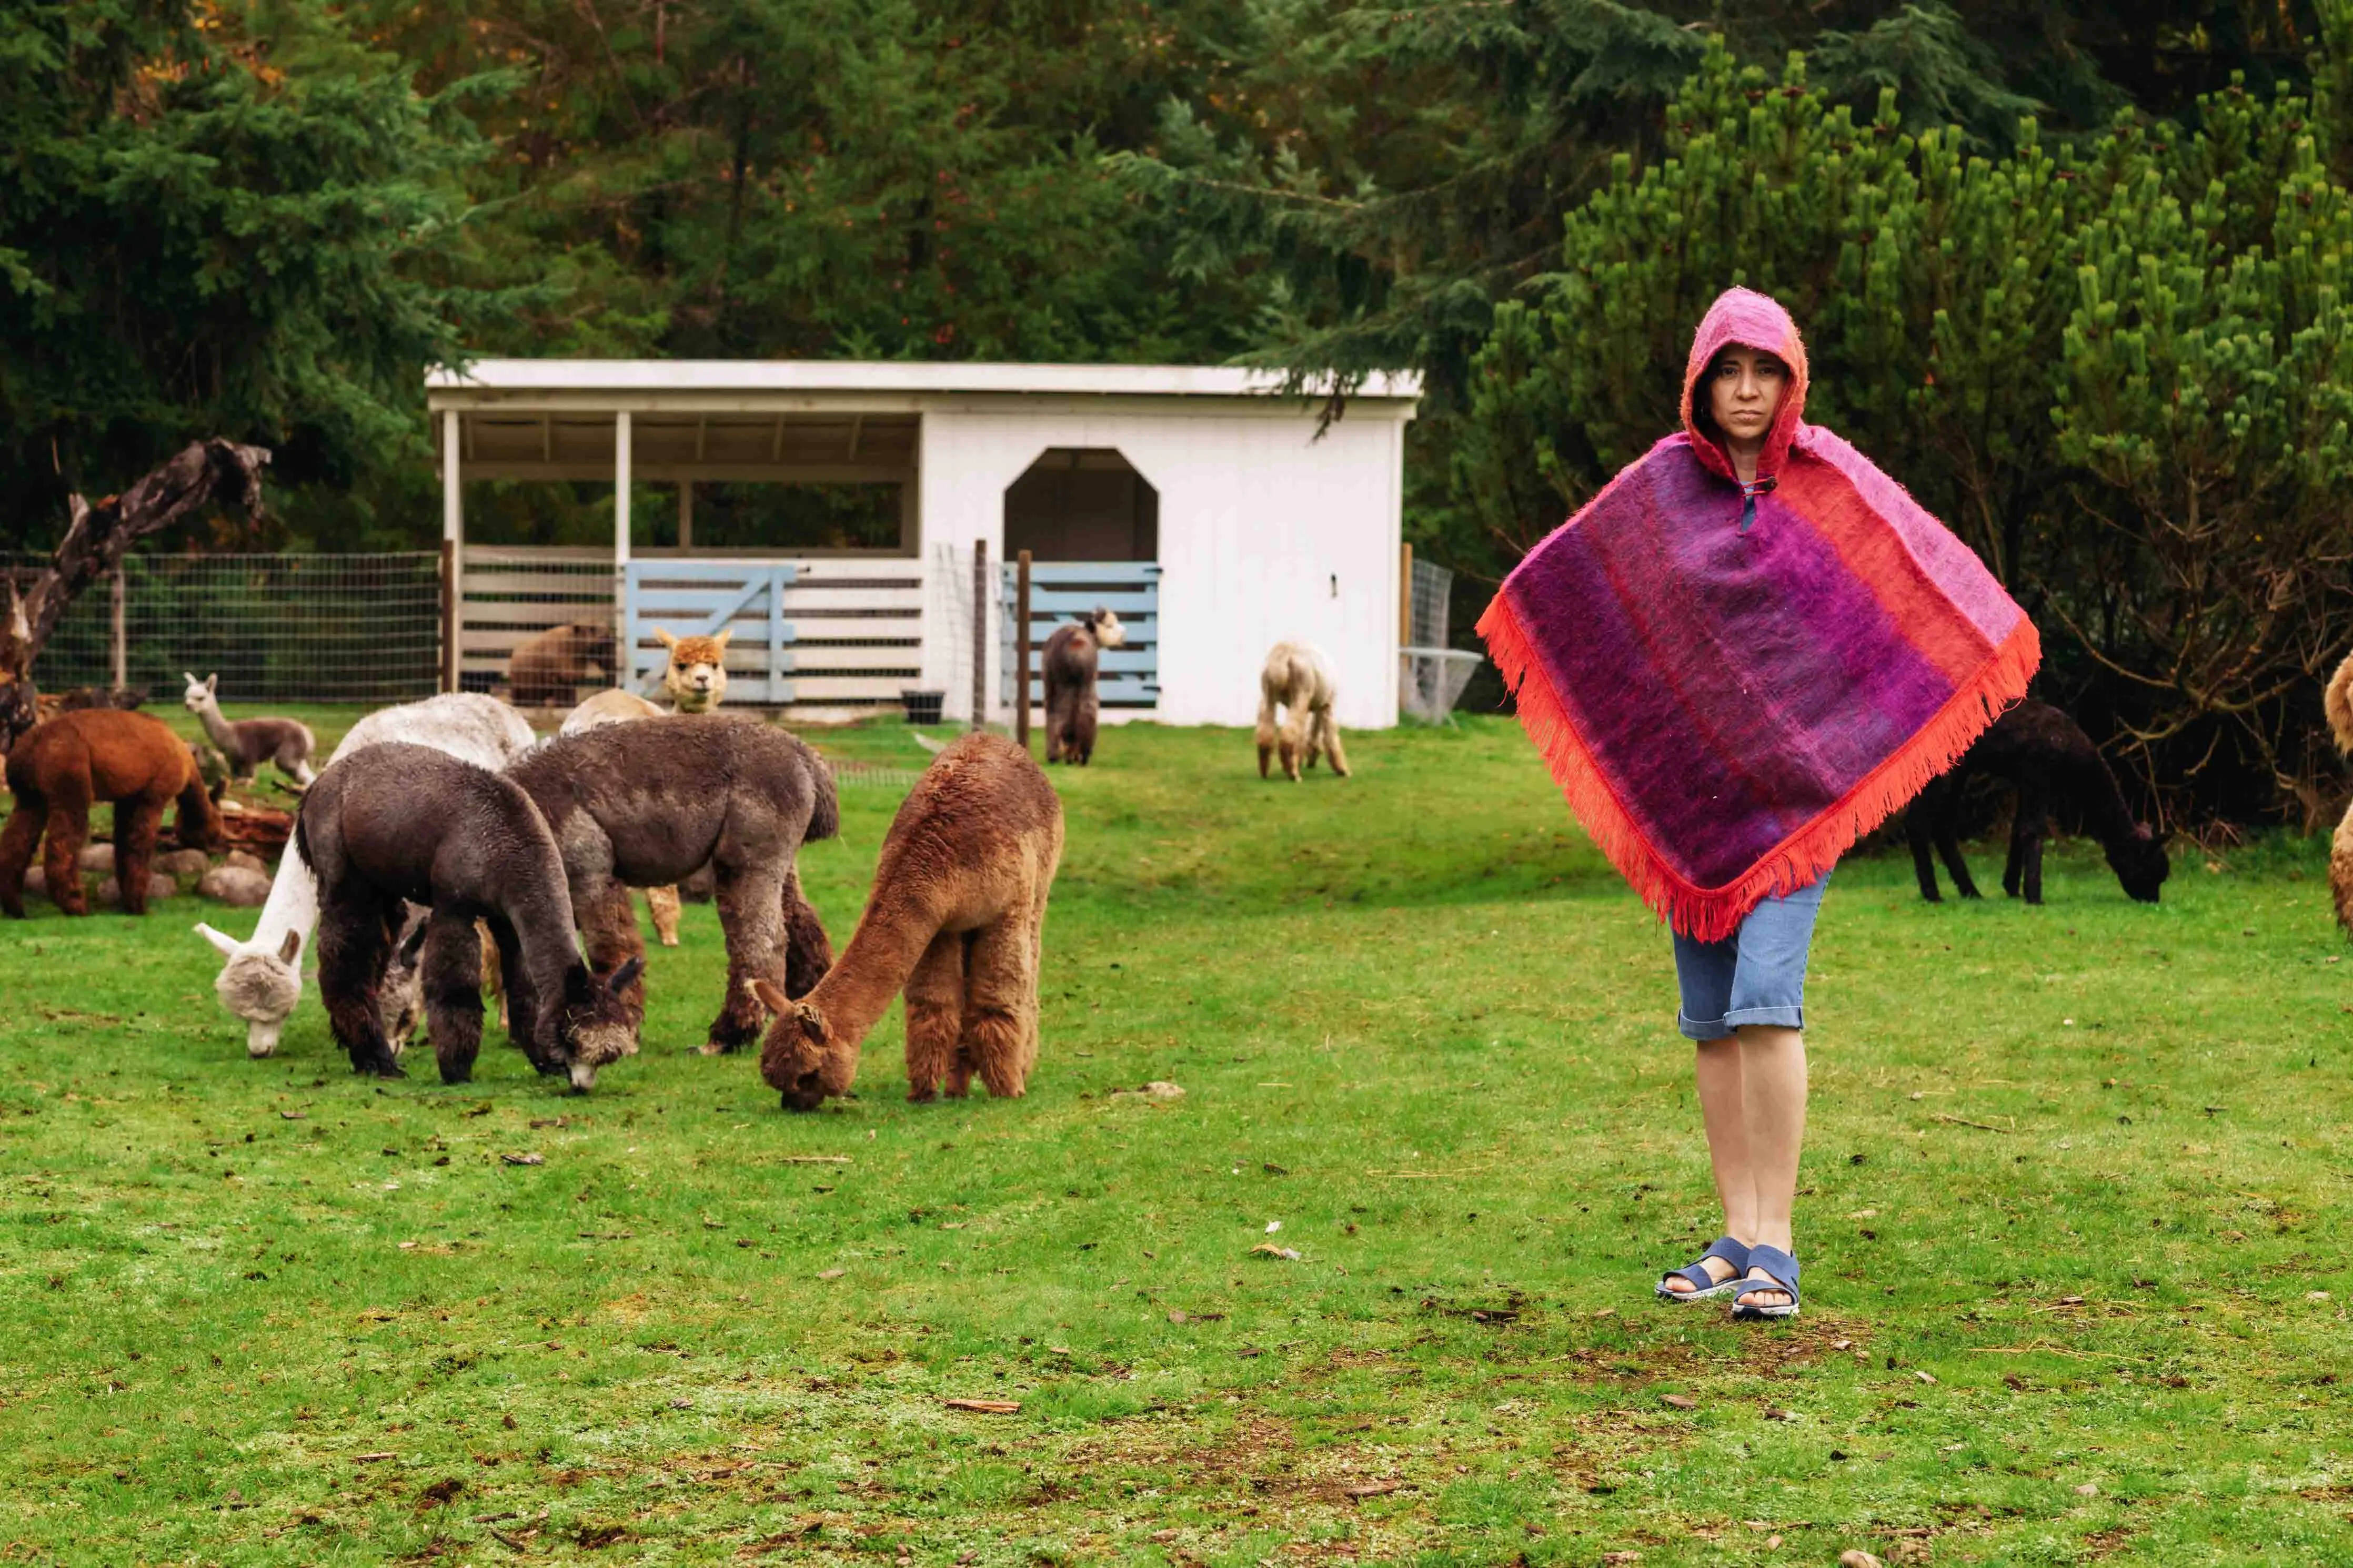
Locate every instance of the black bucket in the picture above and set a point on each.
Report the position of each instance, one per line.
(922, 707)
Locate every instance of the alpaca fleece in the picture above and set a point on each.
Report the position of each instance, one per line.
(2338, 705)
(1732, 683)
(958, 919)
(549, 667)
(646, 803)
(63, 767)
(1298, 681)
(1069, 664)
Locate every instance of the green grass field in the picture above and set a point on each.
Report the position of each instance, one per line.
(2074, 1214)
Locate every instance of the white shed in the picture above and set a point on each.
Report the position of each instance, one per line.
(1202, 505)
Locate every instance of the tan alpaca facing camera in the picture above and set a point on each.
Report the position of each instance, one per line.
(696, 678)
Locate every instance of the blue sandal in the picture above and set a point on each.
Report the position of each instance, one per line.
(1705, 1289)
(1781, 1274)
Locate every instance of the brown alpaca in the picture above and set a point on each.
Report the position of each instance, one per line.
(550, 667)
(1298, 678)
(649, 803)
(618, 707)
(956, 919)
(61, 768)
(2338, 705)
(397, 821)
(1070, 663)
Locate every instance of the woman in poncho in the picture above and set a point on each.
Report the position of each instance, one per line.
(1738, 659)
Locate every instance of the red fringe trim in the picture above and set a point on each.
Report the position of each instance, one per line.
(1711, 914)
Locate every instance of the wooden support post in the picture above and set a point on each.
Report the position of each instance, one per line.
(448, 615)
(122, 643)
(624, 656)
(1405, 596)
(979, 633)
(1021, 652)
(685, 514)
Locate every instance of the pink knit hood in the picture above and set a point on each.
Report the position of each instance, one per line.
(1754, 321)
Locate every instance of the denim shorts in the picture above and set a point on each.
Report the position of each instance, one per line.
(1757, 975)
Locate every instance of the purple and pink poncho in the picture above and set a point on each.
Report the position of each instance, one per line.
(1730, 701)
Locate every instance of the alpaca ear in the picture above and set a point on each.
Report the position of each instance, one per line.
(767, 995)
(223, 943)
(812, 1023)
(663, 637)
(412, 947)
(288, 949)
(212, 683)
(190, 679)
(721, 638)
(626, 975)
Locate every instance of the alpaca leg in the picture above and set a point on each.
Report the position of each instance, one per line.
(2023, 873)
(1265, 731)
(1294, 741)
(352, 943)
(1083, 731)
(453, 994)
(17, 842)
(808, 956)
(69, 828)
(751, 918)
(493, 969)
(609, 934)
(1946, 826)
(1055, 719)
(1915, 833)
(1329, 728)
(934, 1015)
(136, 823)
(522, 1002)
(661, 903)
(1000, 1018)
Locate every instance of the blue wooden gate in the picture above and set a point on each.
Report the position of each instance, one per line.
(702, 598)
(1060, 592)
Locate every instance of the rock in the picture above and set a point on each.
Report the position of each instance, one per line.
(234, 886)
(241, 861)
(159, 886)
(36, 883)
(1158, 1089)
(1857, 1558)
(97, 858)
(184, 863)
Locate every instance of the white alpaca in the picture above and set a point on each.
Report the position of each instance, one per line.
(620, 707)
(263, 977)
(1298, 677)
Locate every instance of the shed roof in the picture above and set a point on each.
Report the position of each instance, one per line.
(610, 376)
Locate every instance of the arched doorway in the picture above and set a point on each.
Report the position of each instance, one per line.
(1090, 523)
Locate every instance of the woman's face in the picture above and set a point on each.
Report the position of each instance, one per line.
(1744, 389)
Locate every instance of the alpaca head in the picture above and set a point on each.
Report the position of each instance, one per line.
(257, 985)
(799, 1058)
(200, 694)
(1104, 625)
(2140, 862)
(594, 1028)
(696, 675)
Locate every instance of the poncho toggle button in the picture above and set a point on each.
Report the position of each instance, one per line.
(1749, 491)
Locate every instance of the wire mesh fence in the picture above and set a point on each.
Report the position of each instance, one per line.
(275, 628)
(1433, 592)
(1432, 676)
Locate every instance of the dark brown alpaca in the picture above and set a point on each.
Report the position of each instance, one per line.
(649, 803)
(2046, 756)
(396, 821)
(1070, 663)
(63, 767)
(956, 919)
(2338, 705)
(551, 666)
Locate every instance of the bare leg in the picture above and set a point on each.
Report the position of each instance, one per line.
(136, 823)
(662, 904)
(934, 1015)
(1772, 1097)
(453, 994)
(353, 939)
(1722, 1111)
(1000, 1021)
(751, 917)
(1329, 726)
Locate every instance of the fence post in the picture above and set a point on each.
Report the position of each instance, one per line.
(122, 643)
(1405, 596)
(448, 615)
(979, 633)
(1021, 653)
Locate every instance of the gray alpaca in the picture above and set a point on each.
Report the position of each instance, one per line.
(250, 742)
(399, 821)
(649, 803)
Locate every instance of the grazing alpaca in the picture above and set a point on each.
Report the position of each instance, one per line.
(646, 803)
(1069, 663)
(2046, 756)
(2338, 705)
(395, 821)
(400, 998)
(61, 768)
(548, 669)
(619, 707)
(956, 918)
(262, 979)
(1298, 678)
(250, 742)
(696, 675)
